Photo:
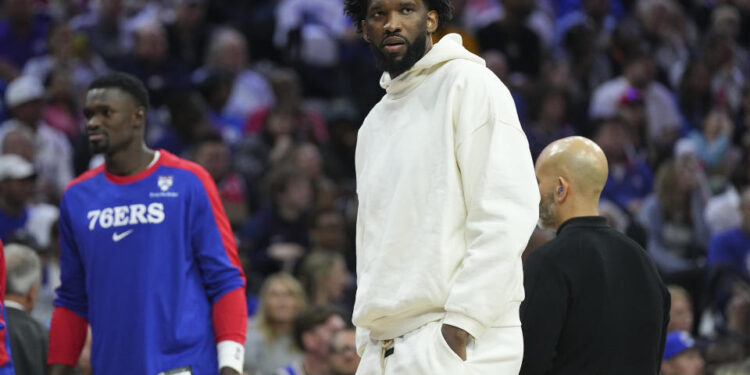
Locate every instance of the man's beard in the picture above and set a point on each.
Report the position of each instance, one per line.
(547, 211)
(414, 51)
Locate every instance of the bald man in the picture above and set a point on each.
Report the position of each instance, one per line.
(595, 303)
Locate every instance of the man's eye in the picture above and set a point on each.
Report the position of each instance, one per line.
(376, 14)
(407, 10)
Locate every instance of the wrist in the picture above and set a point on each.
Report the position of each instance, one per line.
(231, 355)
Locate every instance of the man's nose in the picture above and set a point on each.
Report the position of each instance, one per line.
(393, 23)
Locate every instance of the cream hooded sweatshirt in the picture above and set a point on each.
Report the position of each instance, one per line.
(447, 200)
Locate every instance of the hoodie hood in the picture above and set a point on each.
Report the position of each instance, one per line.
(448, 48)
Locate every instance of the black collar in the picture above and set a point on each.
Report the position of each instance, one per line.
(583, 222)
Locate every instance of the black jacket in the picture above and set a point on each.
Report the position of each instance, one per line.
(28, 343)
(595, 304)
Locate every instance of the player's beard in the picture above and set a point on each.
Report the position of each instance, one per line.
(99, 146)
(414, 51)
(547, 211)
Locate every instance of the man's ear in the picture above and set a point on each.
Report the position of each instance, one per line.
(561, 190)
(140, 116)
(364, 31)
(432, 21)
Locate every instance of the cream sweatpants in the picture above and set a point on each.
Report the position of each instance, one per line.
(423, 351)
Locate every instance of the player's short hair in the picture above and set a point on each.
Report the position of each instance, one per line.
(23, 269)
(310, 318)
(125, 82)
(357, 10)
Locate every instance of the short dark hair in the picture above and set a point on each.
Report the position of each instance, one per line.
(357, 10)
(125, 82)
(310, 318)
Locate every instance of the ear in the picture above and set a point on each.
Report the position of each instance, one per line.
(363, 25)
(432, 21)
(561, 190)
(140, 116)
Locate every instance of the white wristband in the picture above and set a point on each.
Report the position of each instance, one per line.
(231, 354)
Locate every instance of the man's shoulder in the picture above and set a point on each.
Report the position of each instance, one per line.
(23, 323)
(84, 179)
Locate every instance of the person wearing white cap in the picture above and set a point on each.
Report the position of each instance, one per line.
(24, 98)
(19, 217)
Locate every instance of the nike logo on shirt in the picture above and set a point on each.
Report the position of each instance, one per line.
(118, 236)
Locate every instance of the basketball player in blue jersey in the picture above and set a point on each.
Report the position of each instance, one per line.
(147, 255)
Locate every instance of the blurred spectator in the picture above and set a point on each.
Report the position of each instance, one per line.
(313, 330)
(454, 26)
(70, 55)
(306, 125)
(275, 238)
(227, 50)
(344, 359)
(669, 32)
(729, 69)
(681, 356)
(19, 142)
(22, 36)
(732, 248)
(510, 35)
(595, 16)
(713, 146)
(189, 123)
(106, 30)
(324, 276)
(53, 155)
(328, 233)
(673, 216)
(18, 216)
(61, 111)
(28, 338)
(622, 221)
(551, 120)
(269, 344)
(213, 154)
(630, 179)
(723, 211)
(274, 131)
(661, 112)
(308, 158)
(681, 310)
(694, 93)
(150, 62)
(338, 156)
(188, 34)
(307, 33)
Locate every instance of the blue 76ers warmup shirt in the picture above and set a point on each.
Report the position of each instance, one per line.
(143, 258)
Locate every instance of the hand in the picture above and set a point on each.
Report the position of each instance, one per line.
(228, 371)
(456, 338)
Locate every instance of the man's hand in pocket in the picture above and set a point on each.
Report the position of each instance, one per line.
(456, 338)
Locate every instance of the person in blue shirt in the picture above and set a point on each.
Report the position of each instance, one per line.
(147, 256)
(732, 248)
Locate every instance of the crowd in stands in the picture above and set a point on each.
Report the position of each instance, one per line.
(268, 95)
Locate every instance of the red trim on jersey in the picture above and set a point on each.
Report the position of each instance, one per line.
(67, 335)
(85, 176)
(229, 315)
(115, 179)
(227, 237)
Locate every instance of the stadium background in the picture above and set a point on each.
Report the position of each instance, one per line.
(268, 95)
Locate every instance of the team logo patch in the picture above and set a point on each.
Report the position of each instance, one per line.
(165, 182)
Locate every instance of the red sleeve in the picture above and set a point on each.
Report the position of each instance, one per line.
(229, 316)
(67, 335)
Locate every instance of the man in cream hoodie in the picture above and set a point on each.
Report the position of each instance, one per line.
(447, 202)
